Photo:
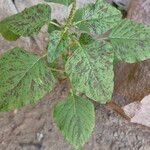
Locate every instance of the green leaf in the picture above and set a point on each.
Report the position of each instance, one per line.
(64, 2)
(54, 25)
(85, 39)
(58, 44)
(131, 41)
(75, 117)
(90, 69)
(97, 18)
(26, 23)
(24, 79)
(6, 33)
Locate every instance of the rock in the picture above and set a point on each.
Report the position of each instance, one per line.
(140, 11)
(35, 44)
(139, 112)
(122, 4)
(132, 80)
(22, 4)
(7, 8)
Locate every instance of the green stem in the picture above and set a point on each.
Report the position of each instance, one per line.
(71, 16)
(51, 22)
(57, 70)
(72, 12)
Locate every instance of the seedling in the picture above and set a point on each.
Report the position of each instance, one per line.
(88, 44)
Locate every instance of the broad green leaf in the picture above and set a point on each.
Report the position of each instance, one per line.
(97, 18)
(24, 79)
(85, 39)
(54, 25)
(57, 45)
(131, 41)
(64, 2)
(90, 69)
(26, 23)
(6, 33)
(75, 117)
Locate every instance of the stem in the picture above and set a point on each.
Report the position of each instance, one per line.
(51, 22)
(71, 16)
(57, 70)
(71, 90)
(53, 69)
(116, 108)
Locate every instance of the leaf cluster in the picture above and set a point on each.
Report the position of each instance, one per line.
(88, 44)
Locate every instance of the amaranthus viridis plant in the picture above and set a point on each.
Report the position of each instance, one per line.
(88, 44)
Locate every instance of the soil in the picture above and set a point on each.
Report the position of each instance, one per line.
(33, 127)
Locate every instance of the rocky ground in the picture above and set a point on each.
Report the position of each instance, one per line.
(33, 128)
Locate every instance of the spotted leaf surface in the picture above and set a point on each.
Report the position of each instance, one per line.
(57, 45)
(90, 69)
(97, 18)
(26, 23)
(24, 79)
(6, 32)
(75, 117)
(131, 41)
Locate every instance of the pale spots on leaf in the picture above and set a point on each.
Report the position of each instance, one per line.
(24, 79)
(131, 41)
(27, 22)
(88, 69)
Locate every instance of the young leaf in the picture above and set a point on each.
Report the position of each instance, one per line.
(90, 69)
(139, 112)
(24, 79)
(75, 118)
(131, 41)
(64, 2)
(26, 23)
(58, 44)
(97, 18)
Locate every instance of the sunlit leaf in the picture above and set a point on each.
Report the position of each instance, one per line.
(90, 69)
(97, 18)
(24, 79)
(26, 23)
(75, 117)
(139, 111)
(131, 41)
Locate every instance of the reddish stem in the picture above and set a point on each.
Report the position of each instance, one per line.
(116, 108)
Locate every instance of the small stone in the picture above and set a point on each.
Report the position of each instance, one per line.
(115, 134)
(15, 111)
(40, 136)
